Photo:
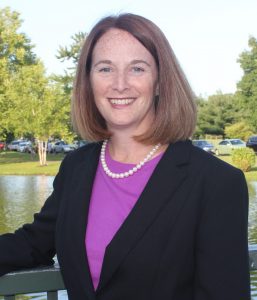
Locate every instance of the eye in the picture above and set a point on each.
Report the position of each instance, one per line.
(137, 69)
(105, 70)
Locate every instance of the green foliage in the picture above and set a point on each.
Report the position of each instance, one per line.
(240, 130)
(243, 158)
(215, 114)
(70, 53)
(31, 104)
(247, 87)
(15, 47)
(15, 54)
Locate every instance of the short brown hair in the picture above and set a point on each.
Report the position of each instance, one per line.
(175, 109)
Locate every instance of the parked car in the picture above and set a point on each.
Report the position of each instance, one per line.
(24, 147)
(13, 146)
(205, 145)
(79, 144)
(62, 147)
(2, 146)
(228, 145)
(252, 143)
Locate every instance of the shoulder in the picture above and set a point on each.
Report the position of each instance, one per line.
(215, 174)
(83, 155)
(202, 166)
(210, 163)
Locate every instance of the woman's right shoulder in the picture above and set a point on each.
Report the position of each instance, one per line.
(82, 155)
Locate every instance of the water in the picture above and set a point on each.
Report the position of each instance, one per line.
(252, 187)
(22, 196)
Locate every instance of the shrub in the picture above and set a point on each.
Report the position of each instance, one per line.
(239, 130)
(243, 158)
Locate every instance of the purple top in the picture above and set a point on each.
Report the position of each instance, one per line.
(111, 202)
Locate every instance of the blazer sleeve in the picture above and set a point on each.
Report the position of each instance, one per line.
(33, 244)
(222, 267)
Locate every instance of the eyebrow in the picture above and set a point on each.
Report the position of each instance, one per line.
(140, 61)
(109, 62)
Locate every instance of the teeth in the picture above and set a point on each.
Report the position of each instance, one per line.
(121, 101)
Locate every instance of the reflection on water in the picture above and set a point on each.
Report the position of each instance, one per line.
(252, 187)
(22, 196)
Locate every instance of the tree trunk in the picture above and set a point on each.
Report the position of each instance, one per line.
(42, 147)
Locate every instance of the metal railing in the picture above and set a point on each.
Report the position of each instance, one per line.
(38, 280)
(49, 280)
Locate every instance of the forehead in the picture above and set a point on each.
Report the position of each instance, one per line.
(116, 42)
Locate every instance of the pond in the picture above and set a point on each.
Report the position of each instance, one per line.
(22, 196)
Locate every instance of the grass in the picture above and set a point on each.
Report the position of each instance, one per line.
(15, 163)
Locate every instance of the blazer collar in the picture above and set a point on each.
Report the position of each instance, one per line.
(169, 174)
(82, 183)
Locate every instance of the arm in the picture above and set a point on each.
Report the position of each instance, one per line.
(32, 244)
(222, 270)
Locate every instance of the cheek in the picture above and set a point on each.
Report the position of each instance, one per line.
(99, 87)
(147, 89)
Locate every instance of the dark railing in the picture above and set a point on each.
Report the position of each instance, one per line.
(38, 280)
(49, 280)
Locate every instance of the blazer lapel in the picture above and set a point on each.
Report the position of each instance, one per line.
(165, 180)
(82, 185)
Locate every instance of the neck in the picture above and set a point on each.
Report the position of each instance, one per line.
(128, 172)
(128, 150)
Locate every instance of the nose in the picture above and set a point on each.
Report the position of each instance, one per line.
(120, 82)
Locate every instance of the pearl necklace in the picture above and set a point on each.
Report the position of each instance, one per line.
(131, 171)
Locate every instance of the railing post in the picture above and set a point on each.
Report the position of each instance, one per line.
(52, 295)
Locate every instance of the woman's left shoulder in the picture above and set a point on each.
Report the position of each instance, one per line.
(211, 165)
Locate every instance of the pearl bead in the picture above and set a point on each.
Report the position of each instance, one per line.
(129, 172)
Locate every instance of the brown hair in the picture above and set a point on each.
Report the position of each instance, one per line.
(175, 109)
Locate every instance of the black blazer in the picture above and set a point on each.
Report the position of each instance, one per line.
(185, 239)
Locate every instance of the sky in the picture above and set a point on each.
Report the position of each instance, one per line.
(206, 35)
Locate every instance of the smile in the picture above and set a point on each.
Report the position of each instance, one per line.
(121, 101)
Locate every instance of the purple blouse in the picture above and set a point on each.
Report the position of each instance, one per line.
(111, 202)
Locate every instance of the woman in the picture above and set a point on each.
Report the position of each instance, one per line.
(143, 214)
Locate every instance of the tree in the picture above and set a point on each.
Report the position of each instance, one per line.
(247, 87)
(215, 113)
(39, 107)
(15, 53)
(30, 103)
(70, 54)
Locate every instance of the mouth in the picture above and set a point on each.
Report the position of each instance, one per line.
(121, 101)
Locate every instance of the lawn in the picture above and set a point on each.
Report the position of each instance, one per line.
(16, 163)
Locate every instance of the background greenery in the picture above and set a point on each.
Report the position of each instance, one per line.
(36, 106)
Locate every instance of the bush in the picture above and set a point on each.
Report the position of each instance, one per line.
(243, 158)
(239, 130)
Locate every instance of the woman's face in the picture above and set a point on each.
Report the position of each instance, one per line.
(124, 81)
